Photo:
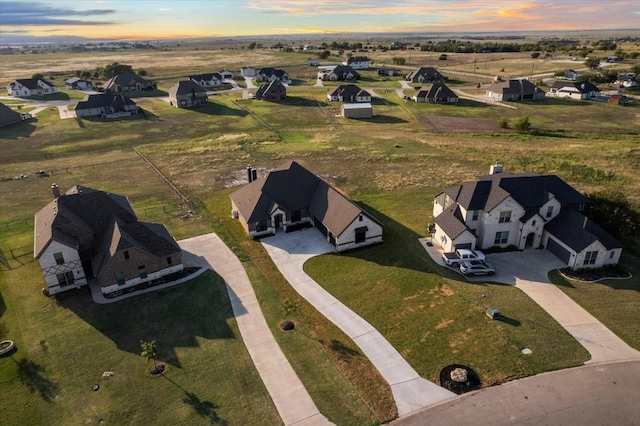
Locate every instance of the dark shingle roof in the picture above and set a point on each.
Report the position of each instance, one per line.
(32, 83)
(295, 188)
(127, 79)
(581, 86)
(578, 232)
(429, 74)
(340, 70)
(186, 87)
(206, 77)
(118, 101)
(267, 88)
(437, 90)
(451, 221)
(8, 116)
(348, 91)
(515, 87)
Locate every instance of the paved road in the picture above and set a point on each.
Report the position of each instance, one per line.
(289, 252)
(291, 399)
(528, 270)
(603, 394)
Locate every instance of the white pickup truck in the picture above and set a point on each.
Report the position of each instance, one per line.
(461, 255)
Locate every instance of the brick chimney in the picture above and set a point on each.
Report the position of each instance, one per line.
(55, 190)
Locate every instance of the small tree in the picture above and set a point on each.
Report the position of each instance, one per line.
(535, 55)
(149, 352)
(398, 60)
(324, 54)
(38, 76)
(443, 57)
(503, 123)
(592, 62)
(522, 125)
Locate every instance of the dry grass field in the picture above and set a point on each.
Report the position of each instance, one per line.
(393, 163)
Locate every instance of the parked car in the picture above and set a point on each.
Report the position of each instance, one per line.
(461, 255)
(477, 267)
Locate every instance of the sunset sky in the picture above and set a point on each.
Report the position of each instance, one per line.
(146, 19)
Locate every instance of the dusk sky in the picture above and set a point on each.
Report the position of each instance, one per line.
(142, 19)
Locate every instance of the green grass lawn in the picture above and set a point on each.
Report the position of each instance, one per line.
(209, 378)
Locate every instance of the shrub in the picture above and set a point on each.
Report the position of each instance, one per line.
(443, 57)
(503, 123)
(522, 125)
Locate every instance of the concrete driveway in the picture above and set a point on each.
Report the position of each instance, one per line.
(528, 270)
(289, 252)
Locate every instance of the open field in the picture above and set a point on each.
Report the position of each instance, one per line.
(393, 163)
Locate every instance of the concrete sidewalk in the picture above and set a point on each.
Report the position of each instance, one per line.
(528, 270)
(289, 396)
(289, 252)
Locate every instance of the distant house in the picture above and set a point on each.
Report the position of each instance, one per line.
(248, 71)
(76, 83)
(30, 87)
(438, 93)
(8, 116)
(104, 105)
(515, 90)
(358, 110)
(627, 80)
(226, 74)
(272, 91)
(271, 74)
(388, 72)
(425, 75)
(341, 73)
(313, 62)
(128, 82)
(348, 93)
(187, 94)
(357, 62)
(574, 90)
(570, 75)
(87, 233)
(207, 80)
(523, 211)
(290, 197)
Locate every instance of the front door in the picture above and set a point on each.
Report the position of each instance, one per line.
(277, 221)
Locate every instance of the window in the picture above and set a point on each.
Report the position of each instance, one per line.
(611, 255)
(81, 241)
(590, 258)
(505, 217)
(361, 235)
(501, 237)
(549, 211)
(360, 218)
(120, 278)
(142, 271)
(169, 260)
(59, 258)
(65, 278)
(126, 254)
(474, 217)
(533, 223)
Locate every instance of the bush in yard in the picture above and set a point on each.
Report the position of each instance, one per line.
(522, 125)
(503, 123)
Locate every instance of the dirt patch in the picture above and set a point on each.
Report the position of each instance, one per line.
(232, 136)
(444, 324)
(447, 291)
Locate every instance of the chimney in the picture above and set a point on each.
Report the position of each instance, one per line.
(254, 174)
(56, 190)
(249, 174)
(495, 169)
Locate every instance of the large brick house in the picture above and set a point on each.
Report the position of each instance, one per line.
(86, 233)
(522, 211)
(187, 94)
(288, 198)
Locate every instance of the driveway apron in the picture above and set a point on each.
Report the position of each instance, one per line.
(289, 252)
(289, 396)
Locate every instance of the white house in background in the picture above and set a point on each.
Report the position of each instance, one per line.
(627, 80)
(574, 90)
(30, 87)
(87, 233)
(207, 80)
(357, 62)
(78, 84)
(523, 211)
(225, 74)
(293, 197)
(248, 71)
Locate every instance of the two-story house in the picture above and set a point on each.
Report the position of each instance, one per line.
(357, 62)
(87, 233)
(187, 94)
(30, 87)
(522, 211)
(292, 197)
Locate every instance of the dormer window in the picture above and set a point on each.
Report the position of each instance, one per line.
(549, 211)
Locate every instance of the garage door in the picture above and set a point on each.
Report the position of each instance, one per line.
(555, 248)
(320, 226)
(463, 246)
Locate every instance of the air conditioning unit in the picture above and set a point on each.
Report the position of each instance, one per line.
(234, 214)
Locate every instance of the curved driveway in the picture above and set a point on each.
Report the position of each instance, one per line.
(289, 252)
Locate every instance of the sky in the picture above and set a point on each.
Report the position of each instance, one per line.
(148, 19)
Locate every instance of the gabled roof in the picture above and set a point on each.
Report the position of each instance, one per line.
(515, 87)
(357, 59)
(429, 73)
(117, 101)
(32, 83)
(530, 191)
(344, 69)
(266, 88)
(451, 221)
(206, 77)
(8, 116)
(437, 90)
(294, 188)
(127, 79)
(186, 87)
(580, 86)
(578, 232)
(348, 90)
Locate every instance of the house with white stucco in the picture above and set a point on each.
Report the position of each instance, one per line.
(522, 211)
(293, 197)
